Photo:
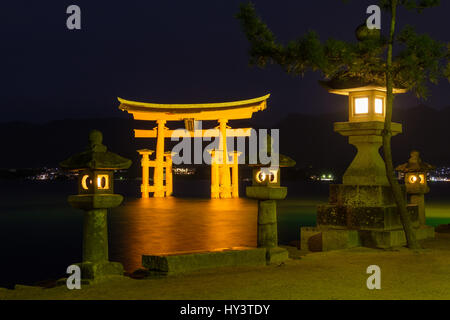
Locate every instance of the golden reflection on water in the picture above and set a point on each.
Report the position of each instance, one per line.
(165, 225)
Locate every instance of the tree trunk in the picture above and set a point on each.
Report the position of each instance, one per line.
(400, 200)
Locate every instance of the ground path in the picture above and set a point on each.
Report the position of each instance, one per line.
(328, 275)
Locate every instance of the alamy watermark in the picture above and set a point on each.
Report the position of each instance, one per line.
(74, 280)
(73, 21)
(374, 281)
(261, 149)
(374, 21)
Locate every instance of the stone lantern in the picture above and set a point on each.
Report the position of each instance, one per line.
(266, 189)
(361, 210)
(415, 171)
(366, 114)
(96, 166)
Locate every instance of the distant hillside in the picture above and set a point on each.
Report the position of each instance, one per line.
(33, 145)
(309, 139)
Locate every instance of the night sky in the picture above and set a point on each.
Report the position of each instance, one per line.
(170, 52)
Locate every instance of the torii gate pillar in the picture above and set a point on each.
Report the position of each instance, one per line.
(169, 177)
(235, 174)
(215, 189)
(224, 169)
(158, 175)
(145, 163)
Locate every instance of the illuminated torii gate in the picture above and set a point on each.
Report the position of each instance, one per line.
(221, 184)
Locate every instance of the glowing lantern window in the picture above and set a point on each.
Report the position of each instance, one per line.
(103, 182)
(379, 106)
(421, 178)
(361, 105)
(267, 175)
(412, 179)
(273, 176)
(417, 178)
(261, 176)
(86, 181)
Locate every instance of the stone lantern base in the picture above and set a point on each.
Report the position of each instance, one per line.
(96, 266)
(267, 234)
(360, 216)
(92, 273)
(95, 271)
(362, 210)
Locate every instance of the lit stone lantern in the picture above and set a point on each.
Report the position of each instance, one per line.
(366, 114)
(415, 171)
(96, 166)
(361, 210)
(266, 188)
(366, 101)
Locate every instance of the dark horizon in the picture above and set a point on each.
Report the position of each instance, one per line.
(313, 143)
(171, 53)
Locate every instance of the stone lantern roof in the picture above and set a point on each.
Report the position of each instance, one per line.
(345, 85)
(96, 157)
(286, 161)
(283, 160)
(415, 164)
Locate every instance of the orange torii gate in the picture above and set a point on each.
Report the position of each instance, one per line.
(221, 184)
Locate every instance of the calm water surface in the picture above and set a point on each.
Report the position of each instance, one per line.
(158, 225)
